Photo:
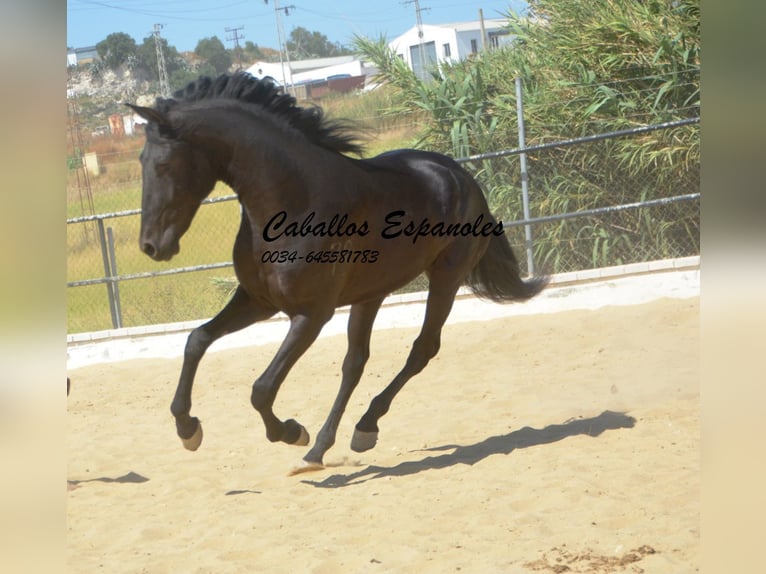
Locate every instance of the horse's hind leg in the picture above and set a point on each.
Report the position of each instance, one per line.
(240, 312)
(360, 321)
(423, 350)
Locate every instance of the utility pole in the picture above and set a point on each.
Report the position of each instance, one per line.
(164, 84)
(235, 37)
(483, 30)
(280, 35)
(421, 49)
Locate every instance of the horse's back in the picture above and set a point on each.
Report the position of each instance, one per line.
(438, 179)
(408, 159)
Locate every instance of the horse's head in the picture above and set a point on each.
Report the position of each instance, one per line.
(177, 176)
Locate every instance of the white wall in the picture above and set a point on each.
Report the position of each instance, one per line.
(263, 69)
(458, 36)
(271, 69)
(440, 36)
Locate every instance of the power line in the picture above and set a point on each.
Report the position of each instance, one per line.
(280, 35)
(235, 37)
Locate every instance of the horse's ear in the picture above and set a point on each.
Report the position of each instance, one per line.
(150, 114)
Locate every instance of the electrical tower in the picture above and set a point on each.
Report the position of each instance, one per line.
(77, 160)
(164, 84)
(235, 37)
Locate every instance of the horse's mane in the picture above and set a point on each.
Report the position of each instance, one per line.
(335, 135)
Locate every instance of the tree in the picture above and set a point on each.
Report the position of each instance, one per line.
(214, 53)
(146, 56)
(116, 49)
(304, 45)
(253, 52)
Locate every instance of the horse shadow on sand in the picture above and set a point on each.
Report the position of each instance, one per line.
(130, 477)
(471, 454)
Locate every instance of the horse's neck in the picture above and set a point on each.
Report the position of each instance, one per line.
(245, 149)
(265, 165)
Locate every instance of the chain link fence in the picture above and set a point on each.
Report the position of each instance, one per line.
(582, 216)
(589, 206)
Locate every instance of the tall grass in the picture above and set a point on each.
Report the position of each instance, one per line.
(586, 68)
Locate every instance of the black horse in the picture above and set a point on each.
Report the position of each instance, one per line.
(319, 230)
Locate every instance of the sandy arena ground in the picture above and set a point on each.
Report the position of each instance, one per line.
(557, 438)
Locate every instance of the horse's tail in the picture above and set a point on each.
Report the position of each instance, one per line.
(497, 277)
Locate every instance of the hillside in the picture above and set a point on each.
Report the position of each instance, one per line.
(99, 95)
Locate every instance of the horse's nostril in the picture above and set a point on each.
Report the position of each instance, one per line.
(149, 249)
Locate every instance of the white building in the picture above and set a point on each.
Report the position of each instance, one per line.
(305, 71)
(448, 42)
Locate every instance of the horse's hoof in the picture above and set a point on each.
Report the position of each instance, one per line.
(362, 441)
(306, 467)
(193, 442)
(295, 429)
(303, 438)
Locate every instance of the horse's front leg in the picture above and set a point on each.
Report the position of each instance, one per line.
(303, 331)
(240, 312)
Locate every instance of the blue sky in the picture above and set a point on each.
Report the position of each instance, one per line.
(185, 22)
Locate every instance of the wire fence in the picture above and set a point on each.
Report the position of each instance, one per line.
(581, 216)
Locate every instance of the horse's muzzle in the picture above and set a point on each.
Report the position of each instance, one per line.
(158, 253)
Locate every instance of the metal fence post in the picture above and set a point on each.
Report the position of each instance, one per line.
(524, 179)
(114, 284)
(107, 271)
